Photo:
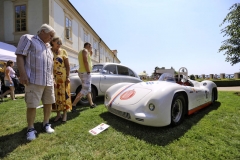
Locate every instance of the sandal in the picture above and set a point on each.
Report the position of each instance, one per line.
(93, 105)
(57, 118)
(64, 121)
(74, 109)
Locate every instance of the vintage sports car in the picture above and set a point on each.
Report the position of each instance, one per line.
(104, 75)
(160, 103)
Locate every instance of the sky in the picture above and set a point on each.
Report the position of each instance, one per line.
(162, 33)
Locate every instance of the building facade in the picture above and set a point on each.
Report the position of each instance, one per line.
(19, 17)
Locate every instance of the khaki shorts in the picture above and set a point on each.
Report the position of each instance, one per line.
(35, 93)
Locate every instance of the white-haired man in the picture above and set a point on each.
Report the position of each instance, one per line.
(35, 65)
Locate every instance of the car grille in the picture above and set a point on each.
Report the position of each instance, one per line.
(120, 113)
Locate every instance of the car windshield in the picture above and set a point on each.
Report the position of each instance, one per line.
(97, 68)
(167, 77)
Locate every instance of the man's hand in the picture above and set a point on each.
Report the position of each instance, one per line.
(23, 76)
(24, 80)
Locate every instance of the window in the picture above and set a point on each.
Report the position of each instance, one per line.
(131, 73)
(20, 18)
(110, 69)
(85, 37)
(68, 29)
(95, 47)
(122, 70)
(101, 53)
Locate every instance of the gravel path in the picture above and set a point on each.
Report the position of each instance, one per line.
(234, 88)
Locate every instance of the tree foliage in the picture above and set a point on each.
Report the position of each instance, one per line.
(231, 46)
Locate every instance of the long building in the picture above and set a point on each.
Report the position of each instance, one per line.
(19, 17)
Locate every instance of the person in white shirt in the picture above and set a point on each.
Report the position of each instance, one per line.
(8, 82)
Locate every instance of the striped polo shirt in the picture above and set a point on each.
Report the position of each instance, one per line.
(38, 60)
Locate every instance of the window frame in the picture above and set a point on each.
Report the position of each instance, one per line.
(85, 38)
(125, 69)
(130, 72)
(20, 18)
(111, 66)
(69, 28)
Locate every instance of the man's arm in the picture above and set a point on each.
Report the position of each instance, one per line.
(22, 72)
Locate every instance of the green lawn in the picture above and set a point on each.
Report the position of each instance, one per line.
(212, 133)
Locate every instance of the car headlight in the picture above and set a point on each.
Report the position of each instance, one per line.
(151, 107)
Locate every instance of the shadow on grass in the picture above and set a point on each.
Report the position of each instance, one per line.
(10, 142)
(161, 136)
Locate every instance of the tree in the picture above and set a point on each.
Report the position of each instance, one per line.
(156, 68)
(231, 46)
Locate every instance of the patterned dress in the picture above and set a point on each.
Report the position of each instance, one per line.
(62, 92)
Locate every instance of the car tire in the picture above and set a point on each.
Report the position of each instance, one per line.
(84, 101)
(177, 109)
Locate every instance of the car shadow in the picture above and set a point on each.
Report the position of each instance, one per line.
(161, 136)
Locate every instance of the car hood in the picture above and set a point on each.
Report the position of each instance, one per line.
(136, 92)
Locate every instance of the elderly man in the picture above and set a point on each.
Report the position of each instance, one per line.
(35, 64)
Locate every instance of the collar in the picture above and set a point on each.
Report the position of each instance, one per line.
(46, 44)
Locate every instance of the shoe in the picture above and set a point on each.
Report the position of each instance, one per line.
(57, 118)
(47, 128)
(31, 134)
(74, 109)
(93, 106)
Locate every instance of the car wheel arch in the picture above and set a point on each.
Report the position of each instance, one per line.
(186, 100)
(93, 88)
(215, 94)
(177, 97)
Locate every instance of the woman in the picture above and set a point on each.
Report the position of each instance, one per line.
(8, 82)
(61, 71)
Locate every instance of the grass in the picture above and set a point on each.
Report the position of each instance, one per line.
(212, 133)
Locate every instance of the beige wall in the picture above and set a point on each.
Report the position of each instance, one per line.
(35, 16)
(1, 21)
(8, 21)
(35, 13)
(53, 12)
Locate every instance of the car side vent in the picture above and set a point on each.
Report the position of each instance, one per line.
(120, 113)
(140, 119)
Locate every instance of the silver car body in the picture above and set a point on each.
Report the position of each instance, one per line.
(104, 75)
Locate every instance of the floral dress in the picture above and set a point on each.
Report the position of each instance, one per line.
(62, 92)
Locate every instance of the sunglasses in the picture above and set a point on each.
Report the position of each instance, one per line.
(59, 43)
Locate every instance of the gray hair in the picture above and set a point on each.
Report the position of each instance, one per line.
(46, 28)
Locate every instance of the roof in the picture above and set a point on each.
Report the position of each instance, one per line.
(90, 27)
